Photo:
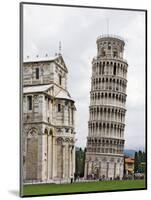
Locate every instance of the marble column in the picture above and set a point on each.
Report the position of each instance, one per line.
(63, 160)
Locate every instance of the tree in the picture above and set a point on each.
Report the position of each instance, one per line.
(80, 162)
(136, 163)
(139, 163)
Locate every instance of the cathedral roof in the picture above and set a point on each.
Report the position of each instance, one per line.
(58, 59)
(40, 59)
(63, 95)
(39, 88)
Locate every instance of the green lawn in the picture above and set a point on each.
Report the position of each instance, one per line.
(41, 189)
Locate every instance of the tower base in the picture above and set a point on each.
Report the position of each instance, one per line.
(104, 167)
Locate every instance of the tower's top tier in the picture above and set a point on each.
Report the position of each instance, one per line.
(110, 46)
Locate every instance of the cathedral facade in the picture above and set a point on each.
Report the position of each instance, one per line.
(48, 122)
(105, 141)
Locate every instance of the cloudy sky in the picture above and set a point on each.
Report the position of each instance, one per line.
(77, 29)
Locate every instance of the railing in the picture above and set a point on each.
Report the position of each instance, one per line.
(110, 58)
(110, 36)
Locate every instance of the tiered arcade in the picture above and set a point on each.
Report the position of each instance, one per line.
(105, 141)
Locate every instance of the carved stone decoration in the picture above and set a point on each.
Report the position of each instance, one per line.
(36, 99)
(32, 133)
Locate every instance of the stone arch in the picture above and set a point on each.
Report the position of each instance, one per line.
(51, 131)
(103, 125)
(120, 97)
(31, 160)
(59, 140)
(46, 131)
(93, 96)
(33, 132)
(100, 68)
(98, 95)
(67, 140)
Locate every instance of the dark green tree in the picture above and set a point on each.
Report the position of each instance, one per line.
(136, 163)
(140, 162)
(80, 162)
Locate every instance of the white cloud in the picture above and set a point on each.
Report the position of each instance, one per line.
(77, 29)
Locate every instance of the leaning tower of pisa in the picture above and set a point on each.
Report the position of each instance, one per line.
(105, 141)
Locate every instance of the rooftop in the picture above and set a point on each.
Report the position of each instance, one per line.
(63, 94)
(129, 160)
(105, 36)
(39, 88)
(40, 59)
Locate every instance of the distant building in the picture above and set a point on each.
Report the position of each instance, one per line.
(105, 141)
(129, 165)
(48, 122)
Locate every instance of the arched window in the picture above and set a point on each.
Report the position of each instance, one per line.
(114, 53)
(109, 46)
(29, 102)
(46, 131)
(37, 73)
(103, 67)
(59, 107)
(60, 80)
(100, 68)
(51, 132)
(114, 69)
(103, 52)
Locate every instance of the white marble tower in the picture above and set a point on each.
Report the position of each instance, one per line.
(105, 141)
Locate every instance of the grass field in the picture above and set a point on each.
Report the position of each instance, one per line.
(41, 189)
